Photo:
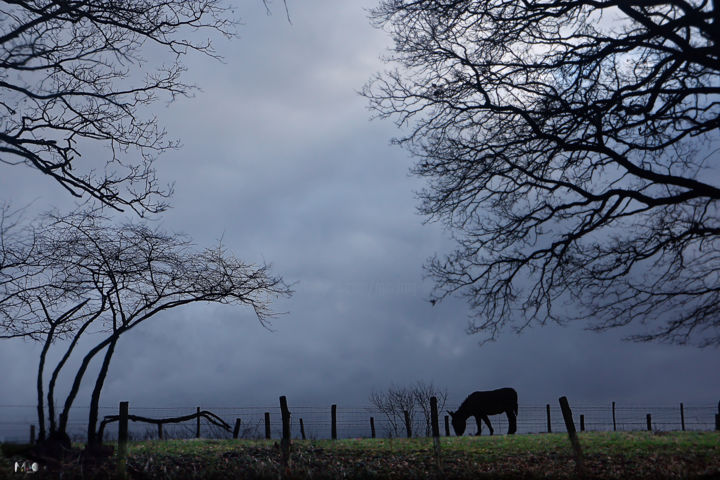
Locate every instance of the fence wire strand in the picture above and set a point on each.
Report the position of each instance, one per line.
(353, 421)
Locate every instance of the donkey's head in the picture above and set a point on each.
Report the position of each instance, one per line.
(458, 423)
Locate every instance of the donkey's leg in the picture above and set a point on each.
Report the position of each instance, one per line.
(512, 422)
(479, 424)
(487, 422)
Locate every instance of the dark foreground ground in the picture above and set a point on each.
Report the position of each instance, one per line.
(627, 455)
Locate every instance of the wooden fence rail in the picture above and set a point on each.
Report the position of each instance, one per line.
(209, 416)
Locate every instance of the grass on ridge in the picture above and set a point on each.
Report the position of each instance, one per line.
(612, 455)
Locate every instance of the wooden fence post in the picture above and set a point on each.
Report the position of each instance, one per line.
(582, 423)
(197, 423)
(123, 430)
(570, 425)
(613, 413)
(547, 409)
(285, 414)
(285, 442)
(236, 430)
(682, 416)
(435, 428)
(408, 427)
(333, 420)
(302, 429)
(267, 425)
(372, 427)
(122, 439)
(160, 432)
(32, 434)
(447, 426)
(648, 418)
(434, 417)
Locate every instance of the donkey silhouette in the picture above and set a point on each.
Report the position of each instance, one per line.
(482, 404)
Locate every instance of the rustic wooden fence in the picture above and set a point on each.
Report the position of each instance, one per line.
(336, 421)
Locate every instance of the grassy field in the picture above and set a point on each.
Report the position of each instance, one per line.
(619, 455)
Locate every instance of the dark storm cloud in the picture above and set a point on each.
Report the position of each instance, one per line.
(279, 159)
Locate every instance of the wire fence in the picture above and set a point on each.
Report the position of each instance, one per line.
(354, 421)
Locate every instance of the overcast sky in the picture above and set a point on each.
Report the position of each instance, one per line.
(281, 160)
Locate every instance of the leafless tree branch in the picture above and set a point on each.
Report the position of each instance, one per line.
(72, 74)
(571, 149)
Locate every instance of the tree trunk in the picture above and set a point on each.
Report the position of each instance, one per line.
(60, 365)
(93, 440)
(62, 427)
(41, 368)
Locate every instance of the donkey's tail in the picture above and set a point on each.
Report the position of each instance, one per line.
(515, 409)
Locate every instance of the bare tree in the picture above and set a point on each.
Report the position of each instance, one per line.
(397, 400)
(392, 403)
(18, 247)
(571, 149)
(72, 74)
(422, 393)
(108, 278)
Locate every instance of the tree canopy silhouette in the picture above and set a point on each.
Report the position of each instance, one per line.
(73, 78)
(82, 274)
(571, 149)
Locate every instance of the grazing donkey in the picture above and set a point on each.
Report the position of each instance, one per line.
(482, 404)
